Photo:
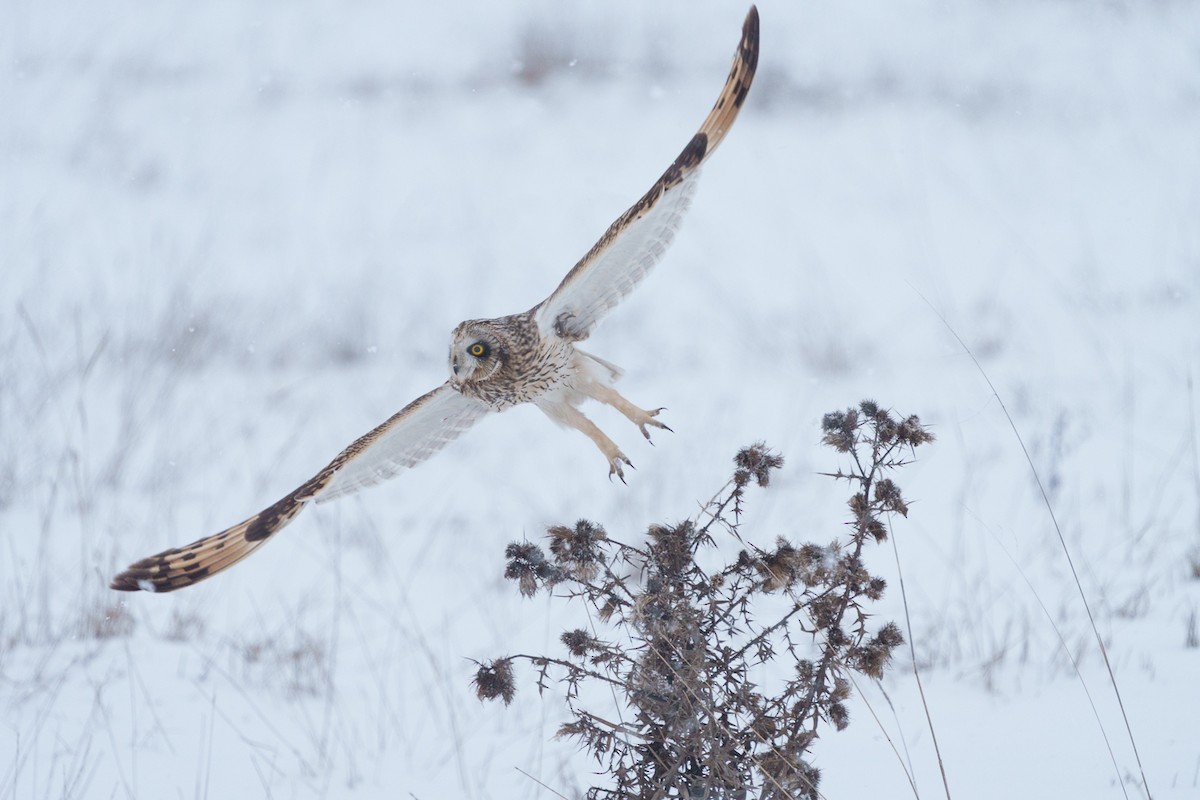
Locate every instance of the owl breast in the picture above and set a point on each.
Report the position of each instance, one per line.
(530, 366)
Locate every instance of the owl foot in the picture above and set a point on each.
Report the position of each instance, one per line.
(569, 415)
(648, 418)
(638, 416)
(614, 466)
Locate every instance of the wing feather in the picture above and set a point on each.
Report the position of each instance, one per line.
(633, 244)
(422, 428)
(409, 437)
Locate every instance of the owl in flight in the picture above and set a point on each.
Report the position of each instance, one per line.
(496, 364)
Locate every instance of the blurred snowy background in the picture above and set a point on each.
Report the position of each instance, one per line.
(234, 236)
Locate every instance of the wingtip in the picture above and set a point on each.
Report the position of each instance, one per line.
(135, 580)
(122, 583)
(749, 43)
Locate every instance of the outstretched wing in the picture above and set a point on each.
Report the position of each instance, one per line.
(418, 431)
(637, 240)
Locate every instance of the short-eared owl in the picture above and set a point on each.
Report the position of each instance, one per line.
(497, 363)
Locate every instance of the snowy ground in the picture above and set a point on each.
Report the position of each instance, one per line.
(235, 236)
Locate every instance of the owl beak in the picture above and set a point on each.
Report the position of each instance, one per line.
(454, 365)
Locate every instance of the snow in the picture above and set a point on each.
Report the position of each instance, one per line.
(233, 237)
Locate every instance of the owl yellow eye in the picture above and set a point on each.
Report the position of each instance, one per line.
(479, 350)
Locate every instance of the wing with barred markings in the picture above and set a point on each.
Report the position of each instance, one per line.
(633, 244)
(414, 434)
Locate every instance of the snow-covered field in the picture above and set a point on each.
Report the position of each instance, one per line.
(234, 236)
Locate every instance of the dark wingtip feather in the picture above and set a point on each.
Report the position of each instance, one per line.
(750, 35)
(183, 566)
(125, 582)
(748, 49)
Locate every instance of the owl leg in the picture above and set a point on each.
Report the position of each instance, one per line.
(638, 416)
(574, 418)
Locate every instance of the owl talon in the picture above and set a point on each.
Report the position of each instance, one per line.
(647, 418)
(614, 467)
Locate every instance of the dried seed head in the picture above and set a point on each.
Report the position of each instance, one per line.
(758, 461)
(912, 433)
(612, 604)
(671, 549)
(841, 430)
(527, 565)
(787, 777)
(839, 715)
(578, 551)
(495, 679)
(886, 428)
(783, 567)
(579, 643)
(890, 636)
(873, 657)
(887, 494)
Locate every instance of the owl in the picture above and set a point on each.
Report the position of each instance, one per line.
(496, 364)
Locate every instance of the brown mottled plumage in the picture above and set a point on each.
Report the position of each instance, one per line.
(498, 363)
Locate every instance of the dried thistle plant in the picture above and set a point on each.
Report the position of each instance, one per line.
(681, 642)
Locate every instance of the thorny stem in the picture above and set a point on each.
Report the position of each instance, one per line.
(796, 609)
(570, 666)
(719, 512)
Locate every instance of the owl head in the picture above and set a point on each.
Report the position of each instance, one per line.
(477, 350)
